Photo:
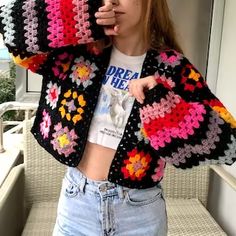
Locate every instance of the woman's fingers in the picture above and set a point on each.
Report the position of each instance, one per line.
(137, 87)
(136, 90)
(106, 17)
(111, 30)
(140, 94)
(106, 22)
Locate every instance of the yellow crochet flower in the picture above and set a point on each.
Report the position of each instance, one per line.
(63, 140)
(83, 71)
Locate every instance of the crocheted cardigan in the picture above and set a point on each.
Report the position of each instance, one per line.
(180, 122)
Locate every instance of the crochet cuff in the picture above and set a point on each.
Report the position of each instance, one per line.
(184, 122)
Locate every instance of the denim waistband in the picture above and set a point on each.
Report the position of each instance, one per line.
(100, 186)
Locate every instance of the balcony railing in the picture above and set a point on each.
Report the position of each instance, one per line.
(29, 109)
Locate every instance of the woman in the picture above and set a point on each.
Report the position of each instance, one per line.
(118, 101)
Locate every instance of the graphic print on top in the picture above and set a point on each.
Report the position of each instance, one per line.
(114, 103)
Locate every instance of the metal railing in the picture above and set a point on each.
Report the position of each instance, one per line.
(29, 109)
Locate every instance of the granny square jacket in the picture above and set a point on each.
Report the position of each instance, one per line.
(180, 122)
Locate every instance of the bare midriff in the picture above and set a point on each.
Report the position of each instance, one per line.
(96, 161)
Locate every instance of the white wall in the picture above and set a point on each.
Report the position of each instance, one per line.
(226, 84)
(222, 198)
(192, 22)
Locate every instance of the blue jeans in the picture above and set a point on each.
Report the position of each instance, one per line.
(100, 208)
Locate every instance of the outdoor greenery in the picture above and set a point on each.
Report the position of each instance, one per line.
(12, 71)
(7, 90)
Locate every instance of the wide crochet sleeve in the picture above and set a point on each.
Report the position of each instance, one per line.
(187, 124)
(31, 29)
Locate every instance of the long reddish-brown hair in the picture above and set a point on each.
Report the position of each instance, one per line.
(159, 32)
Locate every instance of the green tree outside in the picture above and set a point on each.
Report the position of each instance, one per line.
(8, 90)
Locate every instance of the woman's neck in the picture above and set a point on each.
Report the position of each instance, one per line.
(131, 46)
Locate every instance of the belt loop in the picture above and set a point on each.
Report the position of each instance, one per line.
(82, 184)
(121, 191)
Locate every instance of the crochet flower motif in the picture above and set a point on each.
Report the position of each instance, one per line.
(32, 63)
(141, 134)
(159, 171)
(93, 48)
(63, 141)
(62, 65)
(170, 59)
(137, 165)
(72, 106)
(83, 72)
(190, 73)
(53, 93)
(45, 124)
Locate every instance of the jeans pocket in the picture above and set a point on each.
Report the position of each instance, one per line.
(141, 197)
(70, 189)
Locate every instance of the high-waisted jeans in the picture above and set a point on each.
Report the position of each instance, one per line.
(100, 208)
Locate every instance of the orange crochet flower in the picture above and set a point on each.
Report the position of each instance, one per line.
(32, 63)
(226, 115)
(194, 75)
(190, 73)
(72, 106)
(137, 165)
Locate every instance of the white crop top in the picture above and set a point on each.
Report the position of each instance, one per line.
(114, 103)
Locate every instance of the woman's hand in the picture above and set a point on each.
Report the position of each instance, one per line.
(138, 86)
(106, 17)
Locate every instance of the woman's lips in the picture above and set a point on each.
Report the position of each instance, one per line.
(119, 13)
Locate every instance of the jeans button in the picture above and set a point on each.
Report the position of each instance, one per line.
(103, 188)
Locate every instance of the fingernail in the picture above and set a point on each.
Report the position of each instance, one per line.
(117, 28)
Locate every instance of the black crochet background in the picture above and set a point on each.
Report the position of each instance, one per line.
(97, 31)
(90, 95)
